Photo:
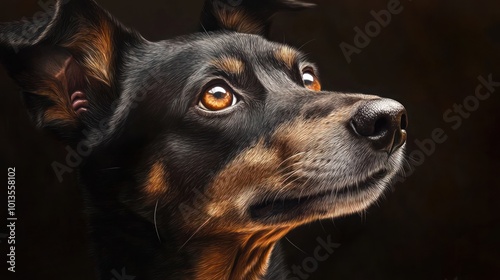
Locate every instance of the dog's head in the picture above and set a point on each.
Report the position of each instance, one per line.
(220, 131)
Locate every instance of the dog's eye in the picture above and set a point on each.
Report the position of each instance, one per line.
(311, 81)
(217, 98)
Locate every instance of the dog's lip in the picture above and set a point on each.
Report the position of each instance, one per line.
(274, 207)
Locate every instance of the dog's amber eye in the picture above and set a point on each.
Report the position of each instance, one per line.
(217, 98)
(311, 81)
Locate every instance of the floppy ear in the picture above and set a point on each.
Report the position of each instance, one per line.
(245, 16)
(66, 63)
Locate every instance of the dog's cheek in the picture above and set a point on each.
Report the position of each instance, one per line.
(156, 185)
(254, 172)
(153, 193)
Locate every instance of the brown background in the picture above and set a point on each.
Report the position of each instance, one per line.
(443, 222)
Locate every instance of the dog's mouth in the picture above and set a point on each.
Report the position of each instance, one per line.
(298, 206)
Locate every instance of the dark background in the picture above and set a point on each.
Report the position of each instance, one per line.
(443, 222)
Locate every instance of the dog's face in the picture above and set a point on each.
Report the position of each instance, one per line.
(227, 130)
(251, 141)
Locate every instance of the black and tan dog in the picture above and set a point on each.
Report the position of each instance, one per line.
(201, 152)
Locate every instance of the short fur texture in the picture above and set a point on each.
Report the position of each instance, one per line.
(178, 191)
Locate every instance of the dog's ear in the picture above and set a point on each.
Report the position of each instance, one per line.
(245, 16)
(66, 63)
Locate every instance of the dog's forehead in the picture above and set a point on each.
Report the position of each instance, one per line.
(230, 41)
(186, 64)
(238, 46)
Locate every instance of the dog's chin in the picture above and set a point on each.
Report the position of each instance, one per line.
(330, 202)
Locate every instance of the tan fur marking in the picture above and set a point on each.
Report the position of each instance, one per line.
(95, 41)
(59, 113)
(288, 55)
(253, 261)
(255, 167)
(156, 184)
(238, 20)
(56, 91)
(238, 256)
(230, 64)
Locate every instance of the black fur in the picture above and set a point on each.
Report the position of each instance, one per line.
(148, 113)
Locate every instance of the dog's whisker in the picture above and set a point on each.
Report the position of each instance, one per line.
(278, 194)
(289, 175)
(306, 43)
(111, 168)
(288, 180)
(286, 186)
(302, 188)
(290, 158)
(204, 29)
(296, 247)
(156, 224)
(194, 233)
(283, 188)
(321, 224)
(290, 166)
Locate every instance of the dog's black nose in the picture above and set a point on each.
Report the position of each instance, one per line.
(382, 122)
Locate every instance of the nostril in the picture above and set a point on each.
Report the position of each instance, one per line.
(404, 122)
(380, 126)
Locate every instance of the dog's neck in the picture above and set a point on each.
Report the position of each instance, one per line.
(236, 256)
(126, 242)
(130, 243)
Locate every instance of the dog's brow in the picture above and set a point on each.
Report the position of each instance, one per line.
(287, 55)
(230, 65)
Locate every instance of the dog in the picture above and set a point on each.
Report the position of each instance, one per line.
(200, 152)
